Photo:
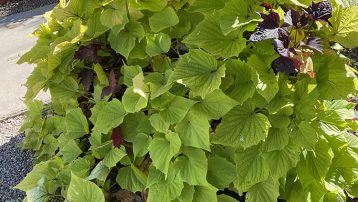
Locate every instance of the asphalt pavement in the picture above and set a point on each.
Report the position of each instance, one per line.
(15, 40)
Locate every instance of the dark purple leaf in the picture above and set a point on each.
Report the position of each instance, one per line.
(117, 137)
(89, 52)
(266, 5)
(315, 43)
(292, 18)
(270, 21)
(281, 48)
(86, 78)
(320, 11)
(287, 65)
(113, 85)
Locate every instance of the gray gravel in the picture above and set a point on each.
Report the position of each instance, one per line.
(14, 163)
(17, 6)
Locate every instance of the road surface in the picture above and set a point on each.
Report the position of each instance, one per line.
(15, 41)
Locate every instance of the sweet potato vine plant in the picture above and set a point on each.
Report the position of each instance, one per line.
(193, 100)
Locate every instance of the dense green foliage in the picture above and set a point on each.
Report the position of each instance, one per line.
(173, 100)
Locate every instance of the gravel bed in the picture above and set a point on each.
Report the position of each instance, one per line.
(353, 55)
(17, 6)
(14, 163)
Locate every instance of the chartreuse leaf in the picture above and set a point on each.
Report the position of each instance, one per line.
(141, 144)
(332, 81)
(157, 44)
(99, 172)
(36, 81)
(129, 72)
(164, 189)
(134, 124)
(131, 178)
(251, 168)
(153, 5)
(113, 17)
(215, 105)
(208, 35)
(235, 15)
(225, 198)
(277, 139)
(46, 169)
(114, 156)
(265, 79)
(172, 108)
(205, 193)
(221, 172)
(187, 194)
(315, 165)
(244, 87)
(101, 75)
(281, 161)
(158, 123)
(76, 123)
(64, 91)
(39, 193)
(163, 19)
(264, 191)
(193, 131)
(110, 116)
(345, 25)
(84, 191)
(199, 71)
(304, 135)
(163, 149)
(70, 151)
(192, 166)
(124, 41)
(134, 102)
(207, 5)
(159, 83)
(140, 86)
(95, 27)
(242, 127)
